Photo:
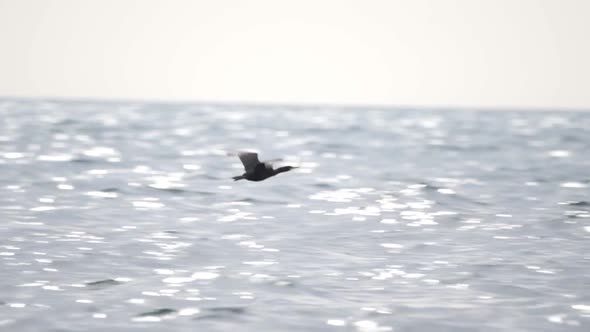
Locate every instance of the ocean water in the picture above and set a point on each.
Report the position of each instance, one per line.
(124, 217)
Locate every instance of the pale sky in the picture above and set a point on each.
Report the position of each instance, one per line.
(468, 53)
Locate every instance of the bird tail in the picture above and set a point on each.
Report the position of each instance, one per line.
(239, 177)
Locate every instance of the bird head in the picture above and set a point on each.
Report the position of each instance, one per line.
(285, 169)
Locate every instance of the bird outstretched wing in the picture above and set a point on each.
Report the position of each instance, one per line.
(272, 161)
(249, 160)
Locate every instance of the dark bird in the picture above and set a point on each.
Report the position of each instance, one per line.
(256, 170)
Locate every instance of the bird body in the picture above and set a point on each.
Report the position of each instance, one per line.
(256, 170)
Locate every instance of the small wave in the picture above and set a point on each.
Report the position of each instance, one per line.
(221, 312)
(576, 203)
(170, 190)
(111, 190)
(158, 312)
(82, 160)
(102, 284)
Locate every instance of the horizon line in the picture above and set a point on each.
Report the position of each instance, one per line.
(270, 104)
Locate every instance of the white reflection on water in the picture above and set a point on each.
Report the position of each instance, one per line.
(400, 220)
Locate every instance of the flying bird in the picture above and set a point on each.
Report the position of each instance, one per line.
(256, 170)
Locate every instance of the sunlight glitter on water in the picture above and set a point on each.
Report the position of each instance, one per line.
(419, 219)
(147, 204)
(56, 158)
(573, 185)
(102, 194)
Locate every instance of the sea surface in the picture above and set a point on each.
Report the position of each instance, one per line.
(124, 217)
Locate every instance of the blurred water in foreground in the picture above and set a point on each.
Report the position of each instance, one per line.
(123, 216)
